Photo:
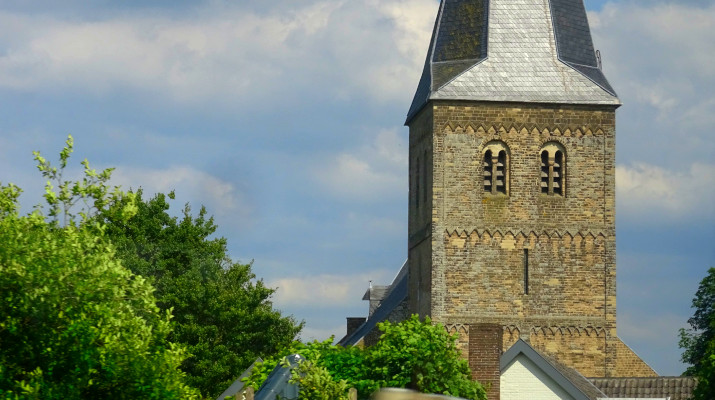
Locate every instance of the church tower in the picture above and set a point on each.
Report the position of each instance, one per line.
(512, 186)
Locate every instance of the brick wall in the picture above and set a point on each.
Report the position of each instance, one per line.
(534, 264)
(485, 342)
(629, 364)
(583, 349)
(420, 215)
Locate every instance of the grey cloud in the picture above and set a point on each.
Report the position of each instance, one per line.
(223, 53)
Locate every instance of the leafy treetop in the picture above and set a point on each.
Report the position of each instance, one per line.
(698, 342)
(222, 313)
(92, 190)
(412, 354)
(74, 323)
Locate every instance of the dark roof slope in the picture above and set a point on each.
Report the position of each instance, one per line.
(578, 380)
(459, 40)
(277, 383)
(396, 294)
(237, 385)
(462, 32)
(573, 40)
(675, 387)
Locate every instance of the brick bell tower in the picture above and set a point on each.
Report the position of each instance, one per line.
(512, 186)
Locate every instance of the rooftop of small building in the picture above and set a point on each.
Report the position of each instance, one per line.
(393, 295)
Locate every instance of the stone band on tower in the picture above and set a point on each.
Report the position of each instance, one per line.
(512, 183)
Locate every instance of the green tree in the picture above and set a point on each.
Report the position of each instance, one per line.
(422, 356)
(412, 354)
(316, 382)
(74, 323)
(222, 314)
(698, 342)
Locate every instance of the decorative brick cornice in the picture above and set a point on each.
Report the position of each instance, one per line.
(540, 330)
(457, 328)
(501, 233)
(499, 131)
(592, 331)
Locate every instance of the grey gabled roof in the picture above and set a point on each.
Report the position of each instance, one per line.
(278, 381)
(395, 295)
(575, 384)
(512, 50)
(237, 385)
(376, 292)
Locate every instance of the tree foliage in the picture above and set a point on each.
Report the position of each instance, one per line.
(74, 323)
(93, 191)
(316, 382)
(412, 354)
(422, 356)
(222, 314)
(698, 342)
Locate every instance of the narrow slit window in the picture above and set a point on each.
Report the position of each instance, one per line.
(424, 177)
(545, 172)
(417, 183)
(411, 180)
(526, 271)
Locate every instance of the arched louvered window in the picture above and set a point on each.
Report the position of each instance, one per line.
(496, 168)
(553, 169)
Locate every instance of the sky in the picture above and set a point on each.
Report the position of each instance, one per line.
(285, 119)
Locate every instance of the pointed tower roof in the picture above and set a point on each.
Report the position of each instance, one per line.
(537, 51)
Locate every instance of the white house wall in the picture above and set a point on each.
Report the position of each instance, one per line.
(523, 380)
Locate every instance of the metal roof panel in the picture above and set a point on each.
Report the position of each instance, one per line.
(537, 51)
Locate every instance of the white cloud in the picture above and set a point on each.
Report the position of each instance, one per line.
(647, 190)
(678, 30)
(374, 226)
(659, 56)
(221, 198)
(355, 177)
(227, 52)
(324, 291)
(370, 173)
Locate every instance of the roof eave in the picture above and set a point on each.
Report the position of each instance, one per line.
(616, 103)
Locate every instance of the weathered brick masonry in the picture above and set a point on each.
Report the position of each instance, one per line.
(485, 341)
(474, 256)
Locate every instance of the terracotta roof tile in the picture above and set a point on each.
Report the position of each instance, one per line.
(675, 387)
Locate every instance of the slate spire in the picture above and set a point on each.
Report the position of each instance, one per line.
(537, 51)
